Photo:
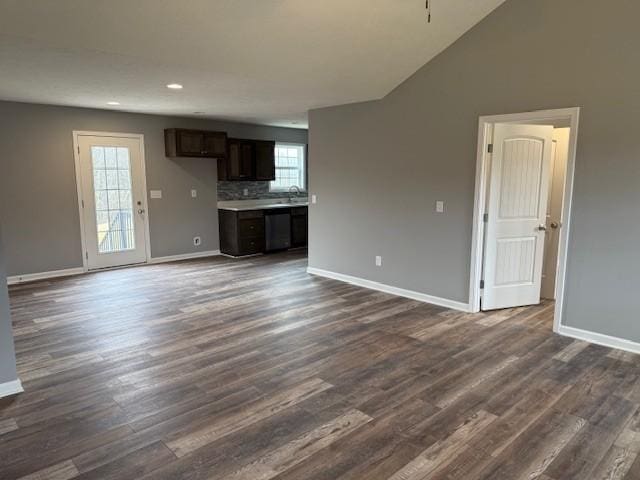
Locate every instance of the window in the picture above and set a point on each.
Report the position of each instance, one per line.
(290, 168)
(114, 206)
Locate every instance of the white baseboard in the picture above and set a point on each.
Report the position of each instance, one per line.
(600, 339)
(381, 287)
(11, 388)
(32, 277)
(186, 256)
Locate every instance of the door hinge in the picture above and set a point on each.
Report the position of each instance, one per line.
(86, 254)
(490, 148)
(485, 218)
(78, 149)
(82, 201)
(481, 283)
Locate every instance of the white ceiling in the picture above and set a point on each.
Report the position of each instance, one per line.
(262, 61)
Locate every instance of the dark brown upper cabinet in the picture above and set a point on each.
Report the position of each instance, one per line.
(248, 160)
(180, 142)
(239, 163)
(265, 160)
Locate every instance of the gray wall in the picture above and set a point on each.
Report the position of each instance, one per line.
(7, 354)
(38, 200)
(379, 167)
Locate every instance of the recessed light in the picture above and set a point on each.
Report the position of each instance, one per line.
(113, 103)
(174, 86)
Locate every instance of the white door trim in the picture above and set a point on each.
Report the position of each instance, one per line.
(76, 158)
(485, 133)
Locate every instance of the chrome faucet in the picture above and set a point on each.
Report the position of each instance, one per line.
(292, 189)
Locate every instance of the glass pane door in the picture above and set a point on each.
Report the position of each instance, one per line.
(113, 199)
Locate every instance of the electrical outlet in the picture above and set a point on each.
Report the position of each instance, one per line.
(197, 241)
(194, 193)
(378, 261)
(439, 206)
(245, 192)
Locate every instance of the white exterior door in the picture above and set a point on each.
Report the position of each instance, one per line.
(113, 200)
(517, 210)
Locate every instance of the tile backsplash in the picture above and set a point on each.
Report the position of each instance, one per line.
(256, 190)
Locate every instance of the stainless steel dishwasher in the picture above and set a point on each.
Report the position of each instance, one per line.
(277, 230)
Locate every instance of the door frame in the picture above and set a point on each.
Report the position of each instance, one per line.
(76, 158)
(485, 137)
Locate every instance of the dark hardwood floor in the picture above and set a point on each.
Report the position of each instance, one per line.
(252, 369)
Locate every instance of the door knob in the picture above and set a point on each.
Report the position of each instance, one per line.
(555, 225)
(542, 228)
(141, 211)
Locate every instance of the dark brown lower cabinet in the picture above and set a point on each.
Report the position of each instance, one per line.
(299, 222)
(243, 233)
(250, 246)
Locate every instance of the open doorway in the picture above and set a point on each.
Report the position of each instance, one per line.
(555, 214)
(524, 186)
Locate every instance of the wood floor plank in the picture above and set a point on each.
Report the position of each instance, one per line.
(236, 450)
(367, 447)
(634, 471)
(254, 369)
(589, 446)
(301, 448)
(529, 455)
(62, 471)
(133, 465)
(444, 450)
(8, 425)
(185, 442)
(571, 351)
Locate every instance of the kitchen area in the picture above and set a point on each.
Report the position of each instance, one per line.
(262, 198)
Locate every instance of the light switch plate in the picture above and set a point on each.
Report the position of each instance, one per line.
(194, 193)
(314, 199)
(378, 261)
(155, 193)
(440, 206)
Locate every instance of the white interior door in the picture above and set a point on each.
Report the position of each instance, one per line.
(113, 200)
(517, 210)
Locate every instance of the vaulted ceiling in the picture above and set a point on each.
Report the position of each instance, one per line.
(263, 61)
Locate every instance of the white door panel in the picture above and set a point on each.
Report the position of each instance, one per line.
(113, 197)
(517, 209)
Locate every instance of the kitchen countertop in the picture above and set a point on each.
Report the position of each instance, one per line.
(266, 204)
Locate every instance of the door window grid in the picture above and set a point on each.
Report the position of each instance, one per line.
(289, 168)
(113, 199)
